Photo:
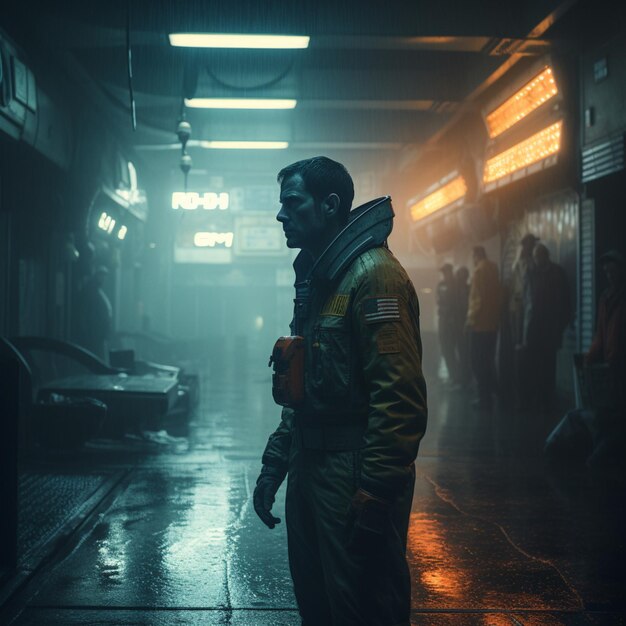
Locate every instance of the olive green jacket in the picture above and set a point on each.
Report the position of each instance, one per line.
(363, 357)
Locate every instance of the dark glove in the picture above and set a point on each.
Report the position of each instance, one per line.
(368, 521)
(267, 485)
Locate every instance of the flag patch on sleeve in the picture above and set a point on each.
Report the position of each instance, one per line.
(381, 309)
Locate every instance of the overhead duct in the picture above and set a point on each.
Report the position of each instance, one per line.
(27, 112)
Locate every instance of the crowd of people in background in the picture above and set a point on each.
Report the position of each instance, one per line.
(452, 303)
(527, 315)
(538, 302)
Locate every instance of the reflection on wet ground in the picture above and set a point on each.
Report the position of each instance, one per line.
(497, 537)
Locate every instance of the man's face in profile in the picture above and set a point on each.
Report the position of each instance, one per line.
(300, 215)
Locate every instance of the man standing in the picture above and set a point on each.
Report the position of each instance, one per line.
(445, 311)
(517, 299)
(350, 443)
(519, 277)
(548, 310)
(483, 314)
(461, 343)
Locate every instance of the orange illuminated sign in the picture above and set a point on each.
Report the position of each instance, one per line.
(442, 197)
(538, 147)
(530, 97)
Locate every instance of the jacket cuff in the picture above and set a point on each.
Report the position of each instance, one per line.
(274, 460)
(274, 471)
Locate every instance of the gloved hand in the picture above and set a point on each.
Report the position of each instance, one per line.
(368, 521)
(267, 485)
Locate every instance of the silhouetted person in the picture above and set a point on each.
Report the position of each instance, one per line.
(547, 312)
(95, 314)
(446, 321)
(349, 440)
(609, 342)
(596, 433)
(516, 302)
(483, 316)
(461, 338)
(519, 276)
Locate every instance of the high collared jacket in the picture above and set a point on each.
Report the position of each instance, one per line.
(363, 366)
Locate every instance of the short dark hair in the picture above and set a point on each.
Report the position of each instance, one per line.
(462, 273)
(323, 176)
(479, 251)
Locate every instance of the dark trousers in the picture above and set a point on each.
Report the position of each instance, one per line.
(539, 380)
(447, 345)
(482, 354)
(334, 584)
(462, 341)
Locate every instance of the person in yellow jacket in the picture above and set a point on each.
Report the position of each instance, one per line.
(349, 447)
(483, 314)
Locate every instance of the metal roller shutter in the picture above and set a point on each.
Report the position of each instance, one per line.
(587, 299)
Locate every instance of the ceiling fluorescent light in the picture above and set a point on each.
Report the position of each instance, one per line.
(208, 40)
(240, 103)
(245, 145)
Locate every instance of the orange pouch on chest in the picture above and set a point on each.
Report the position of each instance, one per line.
(288, 378)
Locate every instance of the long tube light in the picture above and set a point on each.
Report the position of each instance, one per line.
(442, 197)
(531, 96)
(244, 145)
(240, 103)
(214, 40)
(539, 146)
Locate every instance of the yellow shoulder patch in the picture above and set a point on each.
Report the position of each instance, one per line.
(336, 306)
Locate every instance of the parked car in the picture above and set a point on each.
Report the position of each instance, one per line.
(143, 397)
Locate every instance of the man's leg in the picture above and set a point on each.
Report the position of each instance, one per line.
(546, 377)
(447, 344)
(304, 557)
(462, 344)
(491, 339)
(482, 367)
(365, 585)
(474, 348)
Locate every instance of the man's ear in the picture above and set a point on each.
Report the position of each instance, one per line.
(330, 206)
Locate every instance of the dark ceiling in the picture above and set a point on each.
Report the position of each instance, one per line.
(377, 75)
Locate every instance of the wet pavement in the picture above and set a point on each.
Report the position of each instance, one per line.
(497, 536)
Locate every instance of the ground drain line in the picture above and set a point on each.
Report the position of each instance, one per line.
(443, 495)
